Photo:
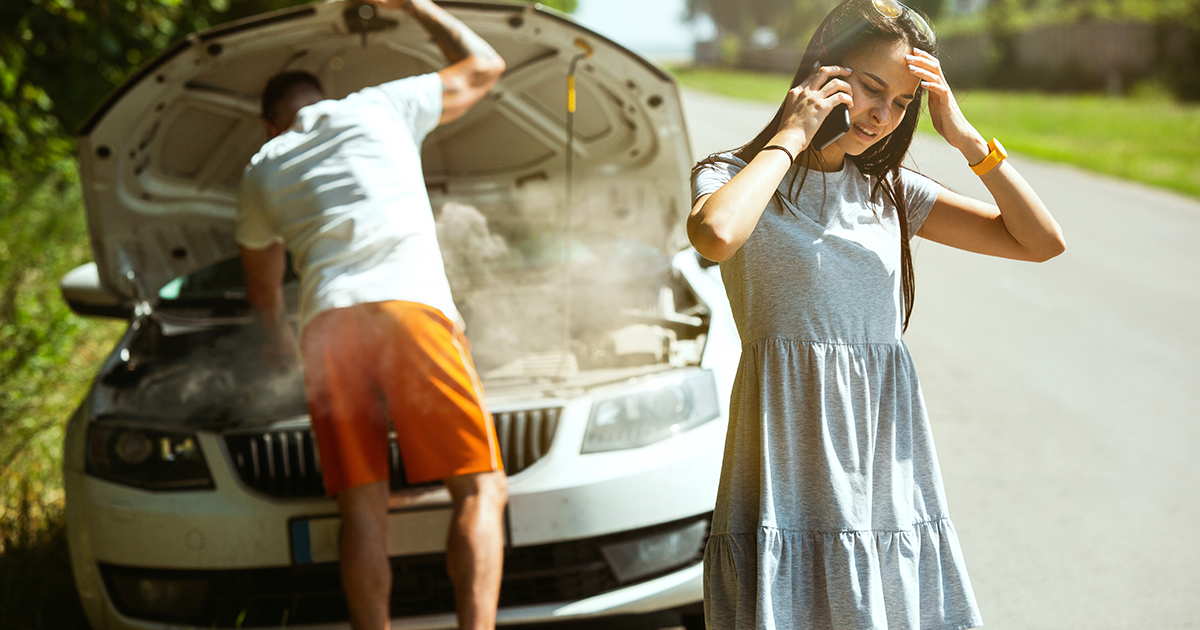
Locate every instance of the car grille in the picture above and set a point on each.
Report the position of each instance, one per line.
(312, 594)
(285, 463)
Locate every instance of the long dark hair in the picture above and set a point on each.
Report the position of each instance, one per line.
(852, 26)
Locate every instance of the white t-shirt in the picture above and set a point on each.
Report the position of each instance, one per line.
(344, 191)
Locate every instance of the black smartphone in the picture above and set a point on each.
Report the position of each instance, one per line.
(836, 124)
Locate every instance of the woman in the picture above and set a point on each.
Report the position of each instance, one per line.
(831, 511)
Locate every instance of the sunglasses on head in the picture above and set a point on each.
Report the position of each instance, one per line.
(892, 9)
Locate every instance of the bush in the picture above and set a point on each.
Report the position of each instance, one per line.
(47, 354)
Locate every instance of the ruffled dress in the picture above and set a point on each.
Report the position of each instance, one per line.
(830, 511)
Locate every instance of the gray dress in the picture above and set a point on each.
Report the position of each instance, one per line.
(830, 511)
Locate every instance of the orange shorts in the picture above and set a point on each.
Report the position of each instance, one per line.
(400, 361)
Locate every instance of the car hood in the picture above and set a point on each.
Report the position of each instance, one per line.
(162, 158)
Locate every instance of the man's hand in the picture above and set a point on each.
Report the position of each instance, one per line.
(281, 351)
(474, 65)
(264, 270)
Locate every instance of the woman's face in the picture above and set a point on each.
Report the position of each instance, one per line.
(882, 87)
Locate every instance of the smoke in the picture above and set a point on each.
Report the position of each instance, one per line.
(210, 377)
(507, 265)
(468, 246)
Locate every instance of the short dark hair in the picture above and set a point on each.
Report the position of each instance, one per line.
(279, 86)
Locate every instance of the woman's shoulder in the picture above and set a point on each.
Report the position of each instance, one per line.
(724, 160)
(713, 171)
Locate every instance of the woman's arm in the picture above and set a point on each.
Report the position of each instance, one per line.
(720, 223)
(1018, 226)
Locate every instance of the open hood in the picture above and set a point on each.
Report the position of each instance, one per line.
(161, 159)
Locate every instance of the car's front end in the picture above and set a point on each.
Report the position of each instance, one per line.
(194, 491)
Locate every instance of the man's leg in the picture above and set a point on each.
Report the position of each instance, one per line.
(475, 549)
(366, 572)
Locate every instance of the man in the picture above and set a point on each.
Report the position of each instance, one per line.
(340, 185)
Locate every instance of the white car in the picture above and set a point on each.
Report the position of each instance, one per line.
(607, 349)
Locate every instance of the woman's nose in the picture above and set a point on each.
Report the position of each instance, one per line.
(881, 113)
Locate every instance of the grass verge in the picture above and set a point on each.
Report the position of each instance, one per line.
(1148, 137)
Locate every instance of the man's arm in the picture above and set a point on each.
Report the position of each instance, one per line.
(264, 270)
(474, 66)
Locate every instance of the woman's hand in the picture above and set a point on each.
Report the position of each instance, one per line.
(808, 104)
(1019, 226)
(721, 222)
(947, 118)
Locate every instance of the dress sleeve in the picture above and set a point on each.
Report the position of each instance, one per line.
(920, 193)
(713, 172)
(253, 229)
(418, 100)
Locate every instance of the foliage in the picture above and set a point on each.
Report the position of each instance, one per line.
(1001, 17)
(793, 21)
(1147, 138)
(1012, 15)
(1004, 20)
(47, 354)
(59, 58)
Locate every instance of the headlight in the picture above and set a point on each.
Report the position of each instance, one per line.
(144, 458)
(655, 410)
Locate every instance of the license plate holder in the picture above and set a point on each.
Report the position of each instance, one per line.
(314, 539)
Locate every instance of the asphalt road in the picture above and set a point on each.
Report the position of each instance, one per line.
(1064, 396)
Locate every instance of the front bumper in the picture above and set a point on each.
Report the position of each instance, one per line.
(554, 581)
(228, 557)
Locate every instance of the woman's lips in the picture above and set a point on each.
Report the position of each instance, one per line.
(865, 134)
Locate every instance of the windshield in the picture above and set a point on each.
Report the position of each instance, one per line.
(220, 281)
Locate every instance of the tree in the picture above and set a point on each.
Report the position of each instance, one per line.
(738, 18)
(792, 20)
(58, 58)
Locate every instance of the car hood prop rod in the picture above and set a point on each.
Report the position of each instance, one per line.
(586, 51)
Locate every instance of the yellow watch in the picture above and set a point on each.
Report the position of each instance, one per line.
(997, 155)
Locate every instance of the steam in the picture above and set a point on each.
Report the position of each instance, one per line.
(214, 377)
(468, 246)
(506, 269)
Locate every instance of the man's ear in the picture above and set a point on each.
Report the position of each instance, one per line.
(272, 130)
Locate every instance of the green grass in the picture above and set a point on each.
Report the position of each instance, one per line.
(754, 86)
(1147, 138)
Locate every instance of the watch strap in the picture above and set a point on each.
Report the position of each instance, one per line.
(997, 155)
